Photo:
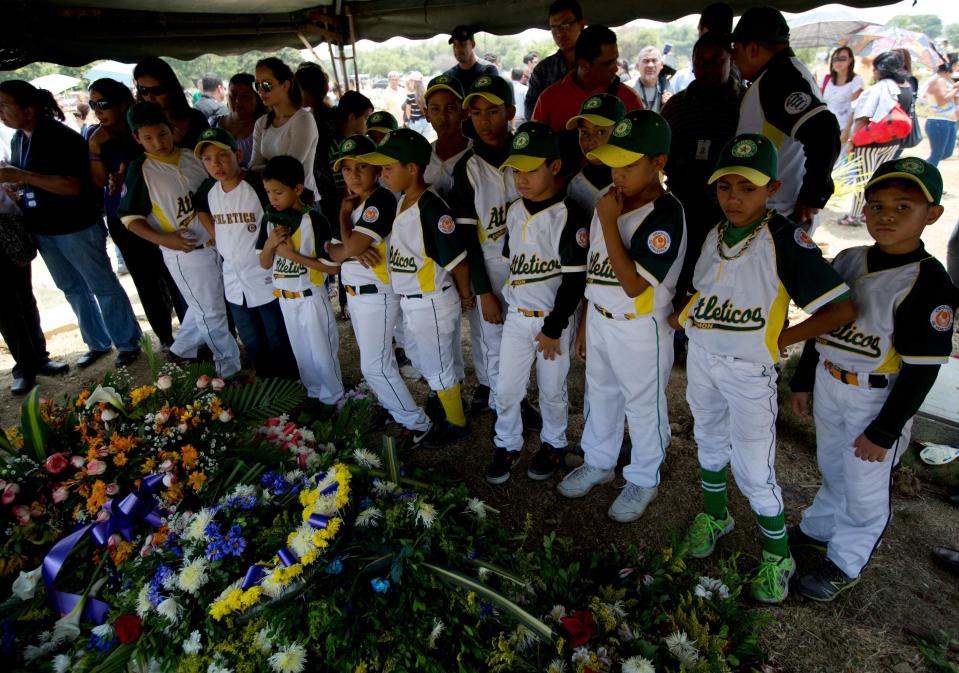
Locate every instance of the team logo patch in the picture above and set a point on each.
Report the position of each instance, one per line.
(623, 128)
(941, 318)
(582, 237)
(796, 102)
(207, 134)
(911, 166)
(659, 241)
(446, 224)
(348, 145)
(521, 141)
(251, 227)
(371, 214)
(744, 149)
(444, 79)
(593, 103)
(802, 238)
(485, 80)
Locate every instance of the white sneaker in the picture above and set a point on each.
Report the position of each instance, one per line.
(580, 481)
(631, 503)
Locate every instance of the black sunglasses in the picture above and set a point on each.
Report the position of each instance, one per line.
(101, 104)
(157, 90)
(266, 86)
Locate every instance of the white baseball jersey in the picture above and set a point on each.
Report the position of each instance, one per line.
(481, 193)
(236, 220)
(655, 236)
(373, 218)
(905, 314)
(540, 248)
(310, 233)
(740, 305)
(589, 184)
(776, 105)
(423, 247)
(439, 173)
(160, 189)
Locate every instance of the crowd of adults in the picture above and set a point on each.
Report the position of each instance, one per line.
(60, 187)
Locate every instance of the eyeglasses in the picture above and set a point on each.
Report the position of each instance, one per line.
(265, 86)
(561, 27)
(157, 90)
(841, 58)
(101, 104)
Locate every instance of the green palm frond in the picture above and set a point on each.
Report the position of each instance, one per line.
(32, 426)
(263, 399)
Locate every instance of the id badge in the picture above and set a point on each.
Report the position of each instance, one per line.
(702, 150)
(28, 198)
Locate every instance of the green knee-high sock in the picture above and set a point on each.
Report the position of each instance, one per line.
(773, 529)
(714, 492)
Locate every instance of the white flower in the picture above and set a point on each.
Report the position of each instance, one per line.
(580, 655)
(193, 576)
(524, 638)
(67, 628)
(26, 585)
(476, 507)
(144, 606)
(61, 663)
(289, 659)
(262, 642)
(108, 415)
(382, 487)
(103, 631)
(217, 667)
(625, 632)
(369, 517)
(31, 652)
(482, 573)
(426, 514)
(302, 542)
(104, 394)
(648, 579)
(684, 649)
(271, 587)
(436, 632)
(164, 382)
(196, 529)
(169, 609)
(556, 666)
(557, 613)
(192, 644)
(710, 587)
(367, 458)
(638, 665)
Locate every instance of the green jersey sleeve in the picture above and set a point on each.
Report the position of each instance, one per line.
(922, 326)
(322, 235)
(376, 220)
(574, 241)
(462, 196)
(200, 198)
(439, 232)
(788, 99)
(263, 233)
(655, 243)
(809, 279)
(135, 202)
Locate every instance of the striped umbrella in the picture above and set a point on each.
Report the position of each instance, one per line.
(874, 40)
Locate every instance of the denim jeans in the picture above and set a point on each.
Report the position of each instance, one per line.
(942, 139)
(80, 267)
(263, 334)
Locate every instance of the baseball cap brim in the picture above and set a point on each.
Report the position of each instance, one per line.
(357, 157)
(492, 98)
(441, 87)
(902, 175)
(615, 157)
(522, 162)
(199, 146)
(751, 174)
(381, 129)
(591, 118)
(378, 159)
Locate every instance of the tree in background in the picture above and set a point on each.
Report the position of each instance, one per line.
(930, 24)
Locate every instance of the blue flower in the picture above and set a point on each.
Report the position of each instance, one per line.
(380, 586)
(236, 545)
(471, 555)
(102, 644)
(485, 609)
(334, 567)
(212, 530)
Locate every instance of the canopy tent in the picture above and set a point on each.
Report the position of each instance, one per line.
(76, 32)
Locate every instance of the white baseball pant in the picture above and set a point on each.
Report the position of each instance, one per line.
(517, 354)
(734, 405)
(408, 344)
(853, 505)
(486, 337)
(374, 317)
(627, 368)
(315, 342)
(199, 277)
(430, 323)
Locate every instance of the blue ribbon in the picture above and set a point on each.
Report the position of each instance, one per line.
(134, 509)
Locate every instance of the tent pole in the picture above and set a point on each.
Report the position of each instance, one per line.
(336, 77)
(356, 70)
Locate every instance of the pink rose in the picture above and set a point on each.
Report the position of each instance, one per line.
(112, 489)
(218, 384)
(169, 480)
(181, 428)
(203, 382)
(78, 461)
(166, 465)
(113, 541)
(162, 416)
(108, 414)
(22, 513)
(56, 463)
(226, 416)
(9, 493)
(103, 451)
(95, 467)
(60, 494)
(164, 382)
(103, 516)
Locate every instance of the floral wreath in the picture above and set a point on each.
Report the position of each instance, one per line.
(321, 522)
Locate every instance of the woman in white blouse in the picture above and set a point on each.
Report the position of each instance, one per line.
(841, 87)
(287, 128)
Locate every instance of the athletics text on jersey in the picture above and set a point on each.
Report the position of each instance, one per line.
(310, 232)
(481, 194)
(424, 247)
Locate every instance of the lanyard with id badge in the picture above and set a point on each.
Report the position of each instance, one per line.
(28, 198)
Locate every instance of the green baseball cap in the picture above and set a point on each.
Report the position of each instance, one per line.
(603, 109)
(145, 114)
(493, 88)
(403, 146)
(444, 83)
(913, 169)
(765, 25)
(750, 155)
(533, 144)
(381, 121)
(354, 147)
(219, 137)
(639, 133)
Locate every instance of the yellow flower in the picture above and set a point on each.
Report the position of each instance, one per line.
(120, 459)
(250, 596)
(308, 558)
(137, 395)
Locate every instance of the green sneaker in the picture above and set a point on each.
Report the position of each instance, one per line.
(771, 584)
(704, 532)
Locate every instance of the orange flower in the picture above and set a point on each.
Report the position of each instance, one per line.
(190, 455)
(123, 444)
(148, 466)
(120, 459)
(137, 395)
(160, 536)
(122, 552)
(174, 493)
(196, 480)
(98, 497)
(82, 397)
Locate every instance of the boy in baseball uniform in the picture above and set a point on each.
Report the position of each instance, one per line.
(637, 240)
(157, 205)
(293, 240)
(429, 272)
(444, 110)
(752, 263)
(366, 220)
(379, 123)
(545, 245)
(480, 196)
(594, 124)
(871, 375)
(230, 204)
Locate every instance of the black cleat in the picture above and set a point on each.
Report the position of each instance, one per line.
(444, 434)
(413, 439)
(826, 583)
(545, 462)
(434, 408)
(797, 539)
(503, 462)
(479, 403)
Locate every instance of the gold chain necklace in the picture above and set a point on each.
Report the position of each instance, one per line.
(724, 227)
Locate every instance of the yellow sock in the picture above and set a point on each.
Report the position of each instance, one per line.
(453, 405)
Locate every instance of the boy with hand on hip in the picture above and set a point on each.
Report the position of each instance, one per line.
(292, 242)
(158, 206)
(545, 245)
(637, 240)
(752, 264)
(872, 374)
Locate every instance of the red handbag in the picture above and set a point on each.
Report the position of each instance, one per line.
(896, 126)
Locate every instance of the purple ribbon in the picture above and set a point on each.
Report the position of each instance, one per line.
(136, 508)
